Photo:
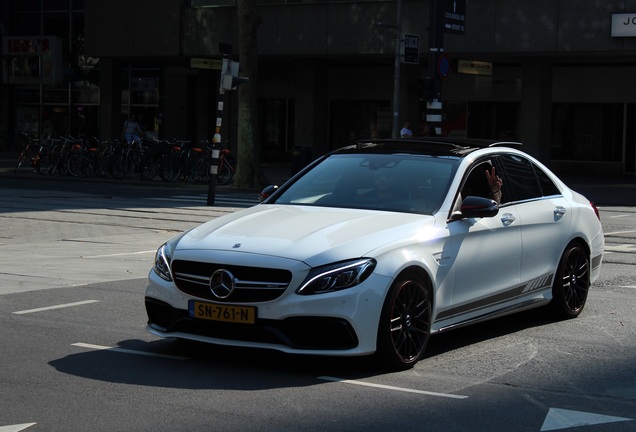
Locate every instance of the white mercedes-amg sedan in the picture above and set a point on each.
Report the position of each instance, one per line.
(374, 247)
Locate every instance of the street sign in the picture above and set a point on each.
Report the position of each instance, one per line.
(411, 49)
(443, 66)
(454, 16)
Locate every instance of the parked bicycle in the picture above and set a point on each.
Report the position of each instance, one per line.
(29, 153)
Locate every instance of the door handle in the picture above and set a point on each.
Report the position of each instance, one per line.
(507, 218)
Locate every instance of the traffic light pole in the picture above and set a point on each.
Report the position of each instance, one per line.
(229, 81)
(216, 141)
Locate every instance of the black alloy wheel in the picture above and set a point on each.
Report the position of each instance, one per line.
(405, 323)
(572, 282)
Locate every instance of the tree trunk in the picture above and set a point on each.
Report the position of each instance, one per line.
(249, 173)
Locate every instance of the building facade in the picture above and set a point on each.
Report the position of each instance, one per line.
(555, 75)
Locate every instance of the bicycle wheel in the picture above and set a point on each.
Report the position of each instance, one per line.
(45, 164)
(203, 172)
(78, 165)
(169, 167)
(116, 164)
(148, 168)
(25, 155)
(224, 175)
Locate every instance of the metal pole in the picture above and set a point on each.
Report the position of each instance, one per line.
(214, 166)
(396, 72)
(436, 48)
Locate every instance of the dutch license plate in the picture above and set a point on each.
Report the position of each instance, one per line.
(221, 312)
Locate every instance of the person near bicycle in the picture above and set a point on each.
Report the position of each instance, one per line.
(131, 130)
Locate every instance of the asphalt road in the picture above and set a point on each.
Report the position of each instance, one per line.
(76, 357)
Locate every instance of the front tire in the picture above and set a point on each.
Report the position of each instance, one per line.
(405, 323)
(571, 283)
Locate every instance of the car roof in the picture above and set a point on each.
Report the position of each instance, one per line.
(442, 146)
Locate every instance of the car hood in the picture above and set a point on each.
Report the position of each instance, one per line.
(310, 234)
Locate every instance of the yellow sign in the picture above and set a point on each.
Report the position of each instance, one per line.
(202, 63)
(473, 67)
(226, 313)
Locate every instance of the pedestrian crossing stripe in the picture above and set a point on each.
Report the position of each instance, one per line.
(226, 200)
(563, 419)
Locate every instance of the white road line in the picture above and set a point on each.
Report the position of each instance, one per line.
(626, 248)
(386, 387)
(60, 306)
(16, 427)
(620, 216)
(620, 232)
(120, 254)
(127, 351)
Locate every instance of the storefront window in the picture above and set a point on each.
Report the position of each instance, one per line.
(140, 96)
(278, 128)
(587, 132)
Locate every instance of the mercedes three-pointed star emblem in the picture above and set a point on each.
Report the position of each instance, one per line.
(222, 283)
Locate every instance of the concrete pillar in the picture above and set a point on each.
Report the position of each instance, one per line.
(536, 108)
(175, 103)
(205, 115)
(304, 130)
(109, 99)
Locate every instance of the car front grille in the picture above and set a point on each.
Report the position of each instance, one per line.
(252, 284)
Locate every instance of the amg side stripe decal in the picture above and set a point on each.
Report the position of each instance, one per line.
(538, 284)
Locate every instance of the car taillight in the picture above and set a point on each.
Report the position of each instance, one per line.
(595, 210)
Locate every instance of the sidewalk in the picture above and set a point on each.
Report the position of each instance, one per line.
(276, 173)
(601, 189)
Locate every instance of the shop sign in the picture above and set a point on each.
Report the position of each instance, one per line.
(203, 63)
(411, 49)
(624, 25)
(473, 67)
(33, 60)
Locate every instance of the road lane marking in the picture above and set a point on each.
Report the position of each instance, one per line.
(60, 306)
(120, 254)
(128, 351)
(16, 427)
(386, 387)
(564, 419)
(619, 232)
(626, 248)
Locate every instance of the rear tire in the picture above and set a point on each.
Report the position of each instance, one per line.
(571, 283)
(405, 323)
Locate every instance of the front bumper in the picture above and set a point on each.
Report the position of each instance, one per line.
(342, 323)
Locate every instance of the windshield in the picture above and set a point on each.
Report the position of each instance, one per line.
(391, 182)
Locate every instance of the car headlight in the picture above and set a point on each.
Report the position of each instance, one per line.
(337, 276)
(163, 257)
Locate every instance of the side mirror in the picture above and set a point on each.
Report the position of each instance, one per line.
(266, 192)
(476, 207)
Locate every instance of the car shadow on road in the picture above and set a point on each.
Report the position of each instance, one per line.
(172, 363)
